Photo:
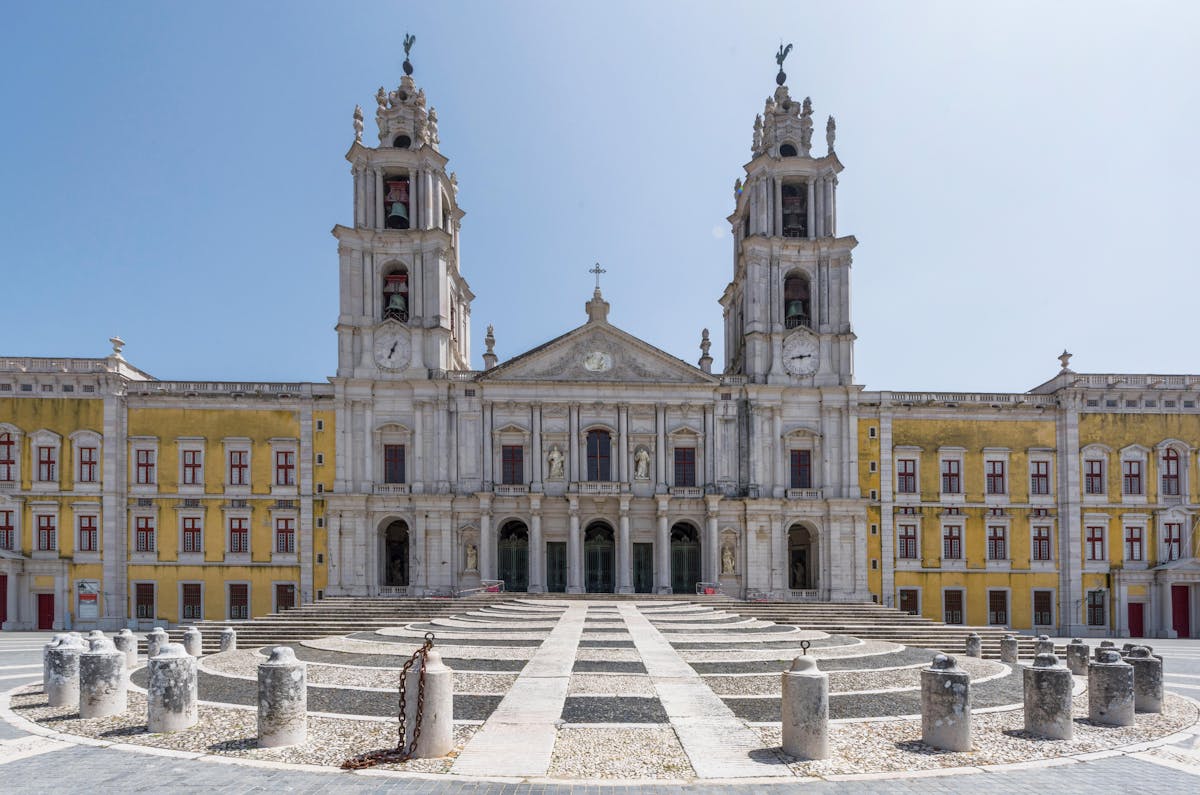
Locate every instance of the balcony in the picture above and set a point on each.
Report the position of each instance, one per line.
(803, 595)
(797, 321)
(687, 492)
(9, 485)
(511, 489)
(601, 487)
(803, 494)
(392, 488)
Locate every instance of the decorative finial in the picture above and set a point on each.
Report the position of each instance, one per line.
(830, 133)
(409, 41)
(117, 345)
(758, 133)
(358, 123)
(780, 56)
(705, 359)
(433, 130)
(1064, 358)
(737, 187)
(489, 356)
(597, 270)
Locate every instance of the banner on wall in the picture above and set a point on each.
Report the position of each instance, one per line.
(89, 599)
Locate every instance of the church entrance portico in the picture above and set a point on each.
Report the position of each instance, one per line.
(685, 558)
(802, 562)
(512, 556)
(599, 558)
(395, 557)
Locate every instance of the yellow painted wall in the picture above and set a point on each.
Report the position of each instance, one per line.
(868, 452)
(214, 579)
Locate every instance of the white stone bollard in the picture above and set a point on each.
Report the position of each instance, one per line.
(193, 642)
(1077, 657)
(102, 689)
(946, 705)
(172, 692)
(806, 710)
(1048, 698)
(228, 639)
(125, 641)
(155, 640)
(1147, 679)
(974, 645)
(54, 643)
(1105, 645)
(1009, 649)
(1110, 689)
(62, 683)
(437, 722)
(283, 700)
(1043, 645)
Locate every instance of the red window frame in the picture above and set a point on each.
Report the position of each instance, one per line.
(995, 477)
(1043, 608)
(193, 467)
(47, 464)
(193, 534)
(285, 467)
(47, 533)
(87, 533)
(1097, 615)
(952, 607)
(1041, 543)
(393, 463)
(239, 534)
(285, 535)
(685, 466)
(193, 601)
(952, 542)
(1093, 476)
(1134, 543)
(951, 476)
(1173, 539)
(599, 456)
(144, 530)
(997, 542)
(8, 461)
(7, 531)
(906, 542)
(143, 600)
(1170, 472)
(1095, 542)
(239, 467)
(1039, 477)
(144, 465)
(239, 600)
(1131, 477)
(997, 608)
(87, 464)
(800, 469)
(906, 476)
(512, 464)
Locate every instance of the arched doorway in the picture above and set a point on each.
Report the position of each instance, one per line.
(599, 558)
(512, 556)
(685, 558)
(802, 559)
(395, 554)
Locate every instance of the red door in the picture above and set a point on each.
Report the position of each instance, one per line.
(1181, 612)
(1135, 620)
(45, 611)
(3, 599)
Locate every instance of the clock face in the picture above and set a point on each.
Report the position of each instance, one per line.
(392, 348)
(800, 354)
(597, 361)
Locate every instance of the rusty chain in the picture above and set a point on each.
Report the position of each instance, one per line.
(400, 753)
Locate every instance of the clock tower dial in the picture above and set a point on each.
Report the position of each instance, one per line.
(392, 348)
(800, 354)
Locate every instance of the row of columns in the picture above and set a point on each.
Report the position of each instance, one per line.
(767, 203)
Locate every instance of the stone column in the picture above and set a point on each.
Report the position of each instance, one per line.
(437, 719)
(624, 549)
(573, 443)
(623, 444)
(1009, 649)
(537, 548)
(11, 597)
(1048, 698)
(712, 556)
(812, 212)
(662, 548)
(102, 680)
(946, 705)
(228, 639)
(805, 710)
(155, 640)
(282, 700)
(974, 645)
(1166, 618)
(535, 450)
(62, 681)
(171, 694)
(660, 448)
(1147, 679)
(125, 641)
(1077, 657)
(54, 643)
(489, 469)
(193, 642)
(487, 567)
(1110, 689)
(1044, 645)
(574, 548)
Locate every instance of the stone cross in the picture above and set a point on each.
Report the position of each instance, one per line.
(597, 270)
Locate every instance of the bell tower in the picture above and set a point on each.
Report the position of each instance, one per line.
(405, 307)
(787, 310)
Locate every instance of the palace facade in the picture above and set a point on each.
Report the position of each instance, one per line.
(595, 462)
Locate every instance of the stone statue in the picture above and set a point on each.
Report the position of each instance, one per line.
(830, 133)
(433, 130)
(358, 123)
(381, 97)
(641, 464)
(472, 558)
(758, 133)
(798, 575)
(555, 459)
(727, 562)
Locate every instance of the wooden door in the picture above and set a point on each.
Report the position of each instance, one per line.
(1136, 618)
(1181, 610)
(953, 610)
(45, 606)
(908, 601)
(285, 597)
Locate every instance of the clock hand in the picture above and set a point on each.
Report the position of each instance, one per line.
(393, 350)
(803, 356)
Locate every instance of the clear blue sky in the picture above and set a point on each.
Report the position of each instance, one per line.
(1021, 176)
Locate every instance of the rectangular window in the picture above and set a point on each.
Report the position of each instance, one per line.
(997, 542)
(144, 467)
(87, 465)
(47, 464)
(801, 469)
(951, 476)
(285, 468)
(512, 464)
(1041, 543)
(1043, 608)
(1173, 539)
(1095, 543)
(997, 608)
(144, 599)
(1131, 477)
(599, 448)
(995, 478)
(193, 467)
(47, 534)
(1133, 543)
(952, 542)
(1039, 477)
(87, 534)
(8, 458)
(239, 467)
(1093, 476)
(7, 532)
(239, 600)
(193, 603)
(906, 476)
(193, 534)
(285, 535)
(1170, 472)
(144, 531)
(393, 463)
(952, 612)
(907, 542)
(685, 466)
(1096, 614)
(239, 534)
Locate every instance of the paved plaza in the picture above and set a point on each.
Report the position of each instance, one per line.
(583, 696)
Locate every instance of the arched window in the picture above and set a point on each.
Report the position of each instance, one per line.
(599, 459)
(796, 302)
(795, 210)
(1170, 472)
(8, 458)
(395, 203)
(402, 142)
(395, 295)
(787, 150)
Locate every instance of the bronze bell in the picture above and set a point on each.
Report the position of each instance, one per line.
(398, 216)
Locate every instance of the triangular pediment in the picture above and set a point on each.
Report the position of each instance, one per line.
(600, 353)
